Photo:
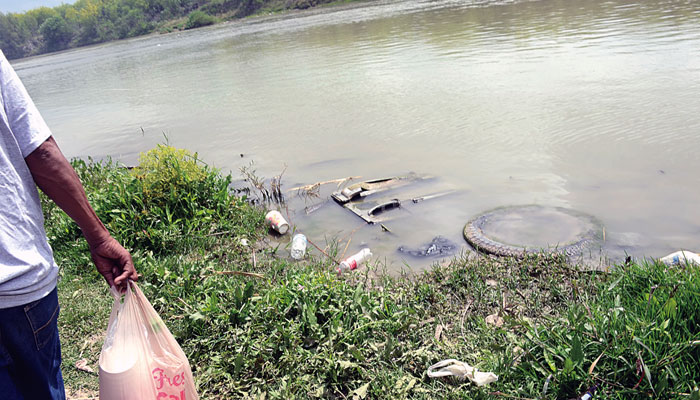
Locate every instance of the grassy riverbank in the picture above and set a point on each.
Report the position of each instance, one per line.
(296, 330)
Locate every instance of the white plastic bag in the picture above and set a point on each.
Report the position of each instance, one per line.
(140, 358)
(681, 258)
(461, 370)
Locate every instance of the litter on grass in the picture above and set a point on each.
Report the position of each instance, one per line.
(461, 370)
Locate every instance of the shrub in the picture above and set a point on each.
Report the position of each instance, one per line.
(167, 172)
(170, 202)
(57, 34)
(198, 19)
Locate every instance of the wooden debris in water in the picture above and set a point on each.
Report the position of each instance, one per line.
(315, 186)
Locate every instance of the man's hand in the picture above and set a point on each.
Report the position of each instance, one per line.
(114, 263)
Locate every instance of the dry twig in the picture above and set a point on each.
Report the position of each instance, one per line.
(349, 239)
(464, 314)
(241, 273)
(324, 253)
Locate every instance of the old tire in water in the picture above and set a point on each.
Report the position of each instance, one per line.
(588, 231)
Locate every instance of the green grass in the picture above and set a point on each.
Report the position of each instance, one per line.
(303, 332)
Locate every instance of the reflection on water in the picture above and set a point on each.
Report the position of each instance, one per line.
(587, 105)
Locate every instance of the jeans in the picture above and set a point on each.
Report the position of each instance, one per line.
(30, 351)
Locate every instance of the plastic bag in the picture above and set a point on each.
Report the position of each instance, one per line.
(681, 258)
(140, 358)
(461, 370)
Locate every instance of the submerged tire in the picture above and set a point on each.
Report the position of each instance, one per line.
(475, 236)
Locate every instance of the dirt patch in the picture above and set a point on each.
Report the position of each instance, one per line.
(82, 394)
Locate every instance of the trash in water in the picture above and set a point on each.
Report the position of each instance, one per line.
(366, 188)
(681, 257)
(298, 246)
(370, 210)
(355, 197)
(315, 207)
(313, 188)
(277, 222)
(351, 263)
(461, 370)
(440, 246)
(519, 230)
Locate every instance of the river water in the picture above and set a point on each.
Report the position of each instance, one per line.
(590, 105)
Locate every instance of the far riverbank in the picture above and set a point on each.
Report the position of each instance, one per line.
(46, 30)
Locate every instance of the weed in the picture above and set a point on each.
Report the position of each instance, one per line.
(273, 194)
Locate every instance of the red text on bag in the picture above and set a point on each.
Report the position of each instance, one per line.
(164, 382)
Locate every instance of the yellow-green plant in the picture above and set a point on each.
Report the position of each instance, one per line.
(170, 200)
(167, 172)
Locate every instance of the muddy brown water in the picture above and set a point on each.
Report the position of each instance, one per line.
(589, 105)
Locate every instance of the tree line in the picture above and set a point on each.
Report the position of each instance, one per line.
(88, 22)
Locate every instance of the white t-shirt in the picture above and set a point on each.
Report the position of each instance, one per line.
(28, 271)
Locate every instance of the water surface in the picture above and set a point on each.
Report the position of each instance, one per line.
(591, 105)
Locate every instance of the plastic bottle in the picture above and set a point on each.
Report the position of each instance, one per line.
(298, 246)
(589, 393)
(681, 257)
(277, 222)
(352, 262)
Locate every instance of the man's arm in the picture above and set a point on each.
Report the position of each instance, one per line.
(55, 176)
